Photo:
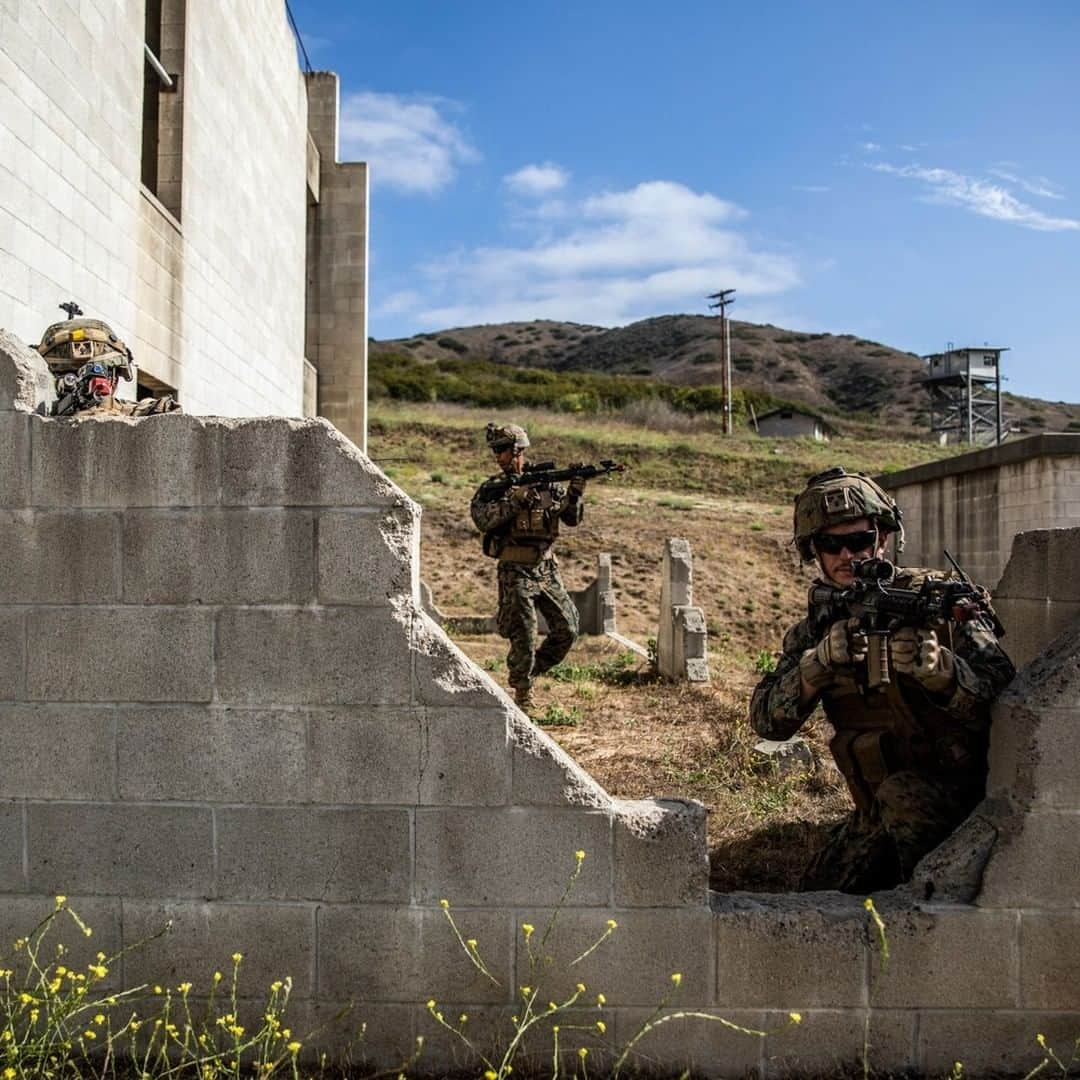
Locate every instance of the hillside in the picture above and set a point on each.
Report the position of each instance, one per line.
(838, 374)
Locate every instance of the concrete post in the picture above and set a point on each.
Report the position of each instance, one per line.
(680, 638)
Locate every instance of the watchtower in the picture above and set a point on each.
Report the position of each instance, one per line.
(965, 394)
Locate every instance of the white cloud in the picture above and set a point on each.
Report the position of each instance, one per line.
(409, 142)
(617, 256)
(869, 147)
(978, 196)
(1036, 185)
(537, 180)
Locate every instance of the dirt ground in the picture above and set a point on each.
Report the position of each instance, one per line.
(635, 735)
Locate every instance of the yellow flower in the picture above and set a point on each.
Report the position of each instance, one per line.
(868, 903)
(471, 942)
(582, 1053)
(217, 976)
(101, 958)
(528, 930)
(601, 1026)
(580, 988)
(796, 1018)
(431, 1003)
(294, 1047)
(60, 901)
(100, 970)
(463, 1018)
(611, 924)
(1041, 1040)
(26, 999)
(600, 999)
(275, 985)
(99, 1019)
(579, 855)
(237, 957)
(157, 990)
(184, 987)
(9, 1072)
(555, 1028)
(444, 903)
(676, 978)
(526, 990)
(89, 1034)
(236, 1030)
(60, 970)
(490, 1074)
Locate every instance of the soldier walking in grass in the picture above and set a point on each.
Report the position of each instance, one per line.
(520, 525)
(910, 704)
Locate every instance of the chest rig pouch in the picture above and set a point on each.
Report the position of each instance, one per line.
(529, 533)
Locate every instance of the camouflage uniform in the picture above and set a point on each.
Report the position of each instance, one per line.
(520, 537)
(914, 761)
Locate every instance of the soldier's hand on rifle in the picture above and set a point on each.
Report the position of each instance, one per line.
(918, 652)
(844, 645)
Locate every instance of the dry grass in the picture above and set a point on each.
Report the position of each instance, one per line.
(731, 499)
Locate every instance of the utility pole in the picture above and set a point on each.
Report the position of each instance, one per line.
(722, 299)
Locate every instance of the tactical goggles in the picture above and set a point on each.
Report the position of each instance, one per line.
(854, 542)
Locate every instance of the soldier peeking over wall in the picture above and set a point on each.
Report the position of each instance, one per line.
(906, 663)
(88, 361)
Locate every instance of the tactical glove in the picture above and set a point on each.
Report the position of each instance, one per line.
(523, 496)
(844, 645)
(918, 652)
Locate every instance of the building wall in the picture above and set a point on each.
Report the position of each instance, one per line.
(789, 427)
(212, 304)
(974, 504)
(256, 733)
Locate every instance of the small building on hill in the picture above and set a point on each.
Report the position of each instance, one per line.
(789, 422)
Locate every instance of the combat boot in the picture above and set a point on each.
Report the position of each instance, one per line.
(523, 698)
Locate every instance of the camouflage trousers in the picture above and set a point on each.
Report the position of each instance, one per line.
(523, 591)
(878, 848)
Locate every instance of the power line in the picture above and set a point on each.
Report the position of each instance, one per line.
(299, 40)
(724, 298)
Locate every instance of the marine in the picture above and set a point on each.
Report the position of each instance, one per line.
(911, 720)
(520, 525)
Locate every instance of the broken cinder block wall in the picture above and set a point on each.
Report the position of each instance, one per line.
(221, 704)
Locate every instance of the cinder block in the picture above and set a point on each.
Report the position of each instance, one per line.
(632, 966)
(544, 774)
(211, 755)
(278, 462)
(797, 960)
(59, 558)
(25, 381)
(11, 849)
(246, 556)
(960, 958)
(367, 558)
(465, 759)
(443, 674)
(126, 850)
(15, 454)
(321, 656)
(302, 853)
(364, 755)
(1049, 960)
(661, 855)
(275, 941)
(1037, 868)
(388, 954)
(674, 1046)
(106, 461)
(12, 654)
(57, 752)
(119, 654)
(20, 914)
(840, 1043)
(489, 1029)
(991, 1042)
(514, 855)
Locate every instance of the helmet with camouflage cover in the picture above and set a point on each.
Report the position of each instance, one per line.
(505, 437)
(837, 496)
(67, 345)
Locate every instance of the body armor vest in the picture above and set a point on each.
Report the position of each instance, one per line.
(529, 534)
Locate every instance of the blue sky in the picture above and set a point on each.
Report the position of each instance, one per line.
(907, 173)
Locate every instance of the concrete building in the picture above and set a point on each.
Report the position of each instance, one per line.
(169, 167)
(976, 503)
(964, 390)
(789, 422)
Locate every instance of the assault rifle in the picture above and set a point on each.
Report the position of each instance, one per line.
(881, 608)
(83, 389)
(544, 473)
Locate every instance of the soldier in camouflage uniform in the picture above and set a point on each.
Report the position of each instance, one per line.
(520, 525)
(913, 750)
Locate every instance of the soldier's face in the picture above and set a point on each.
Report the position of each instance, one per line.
(510, 460)
(837, 568)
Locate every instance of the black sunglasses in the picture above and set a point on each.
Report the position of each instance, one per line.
(834, 543)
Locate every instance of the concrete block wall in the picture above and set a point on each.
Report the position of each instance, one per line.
(281, 753)
(974, 504)
(212, 304)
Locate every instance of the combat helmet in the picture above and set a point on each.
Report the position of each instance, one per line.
(68, 345)
(836, 496)
(505, 436)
